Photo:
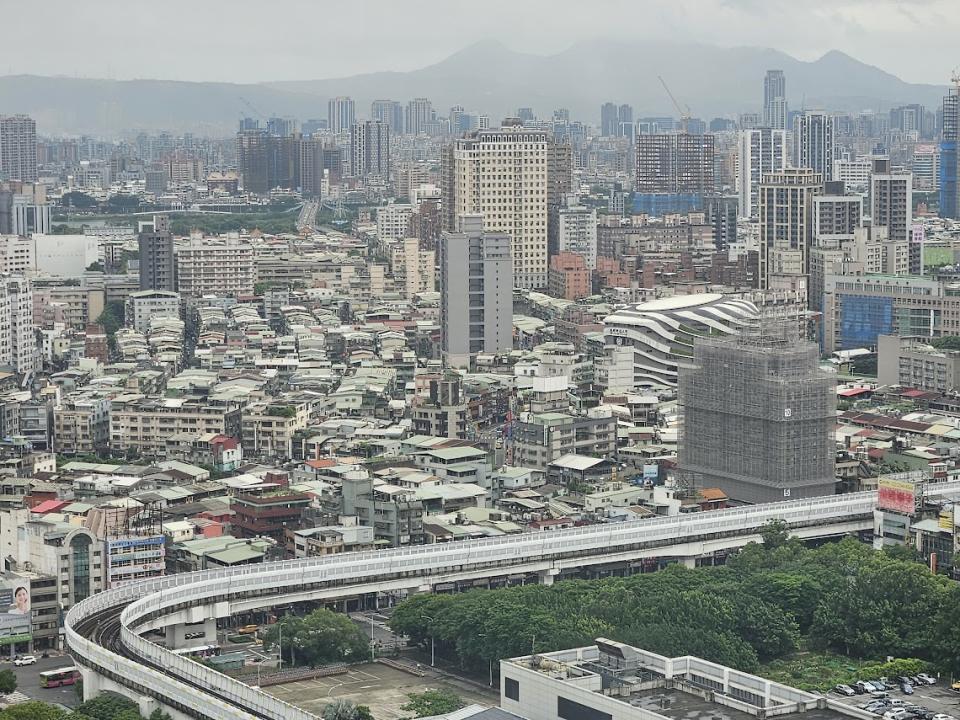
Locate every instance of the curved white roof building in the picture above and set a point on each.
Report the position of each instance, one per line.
(660, 334)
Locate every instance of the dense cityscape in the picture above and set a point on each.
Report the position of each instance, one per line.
(399, 408)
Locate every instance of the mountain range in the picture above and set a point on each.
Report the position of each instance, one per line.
(485, 77)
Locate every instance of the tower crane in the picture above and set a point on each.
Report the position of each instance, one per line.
(684, 110)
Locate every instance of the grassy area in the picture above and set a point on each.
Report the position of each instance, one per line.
(933, 255)
(813, 670)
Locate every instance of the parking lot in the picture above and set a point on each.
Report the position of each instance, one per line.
(938, 698)
(384, 689)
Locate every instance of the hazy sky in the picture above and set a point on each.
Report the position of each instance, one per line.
(255, 40)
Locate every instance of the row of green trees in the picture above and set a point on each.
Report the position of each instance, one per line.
(106, 706)
(763, 604)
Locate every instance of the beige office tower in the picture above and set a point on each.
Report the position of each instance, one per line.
(508, 176)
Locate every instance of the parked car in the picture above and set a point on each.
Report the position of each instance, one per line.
(861, 687)
(897, 714)
(928, 679)
(22, 660)
(943, 716)
(844, 690)
(877, 685)
(906, 689)
(880, 694)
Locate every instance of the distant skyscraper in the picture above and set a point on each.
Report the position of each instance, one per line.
(489, 173)
(281, 127)
(460, 121)
(786, 227)
(253, 159)
(891, 206)
(370, 148)
(476, 292)
(18, 148)
(949, 155)
(759, 385)
(775, 100)
(157, 261)
(310, 165)
(762, 151)
(419, 114)
(609, 119)
(815, 145)
(389, 112)
(340, 114)
(526, 114)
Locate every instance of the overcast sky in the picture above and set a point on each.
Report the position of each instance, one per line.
(256, 40)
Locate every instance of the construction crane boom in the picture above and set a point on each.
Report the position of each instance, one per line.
(683, 110)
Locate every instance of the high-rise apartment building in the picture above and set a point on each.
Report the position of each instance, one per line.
(310, 165)
(505, 176)
(419, 114)
(762, 151)
(786, 226)
(340, 114)
(676, 164)
(253, 159)
(476, 306)
(949, 156)
(157, 262)
(721, 212)
(775, 100)
(836, 215)
(370, 148)
(18, 345)
(758, 417)
(891, 206)
(389, 112)
(578, 233)
(18, 148)
(815, 145)
(215, 266)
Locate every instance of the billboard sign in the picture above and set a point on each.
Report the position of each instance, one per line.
(899, 496)
(15, 610)
(651, 473)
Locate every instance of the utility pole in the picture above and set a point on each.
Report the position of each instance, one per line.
(280, 644)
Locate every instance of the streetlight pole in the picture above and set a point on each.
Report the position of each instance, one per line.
(433, 656)
(280, 645)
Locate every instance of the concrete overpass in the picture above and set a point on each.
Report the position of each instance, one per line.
(104, 632)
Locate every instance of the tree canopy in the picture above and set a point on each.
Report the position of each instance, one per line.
(8, 681)
(321, 637)
(763, 604)
(105, 706)
(33, 710)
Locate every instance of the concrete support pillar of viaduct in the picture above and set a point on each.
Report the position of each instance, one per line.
(91, 682)
(176, 634)
(688, 562)
(546, 576)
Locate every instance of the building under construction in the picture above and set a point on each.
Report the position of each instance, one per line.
(758, 416)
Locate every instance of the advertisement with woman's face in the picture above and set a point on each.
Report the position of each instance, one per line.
(15, 609)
